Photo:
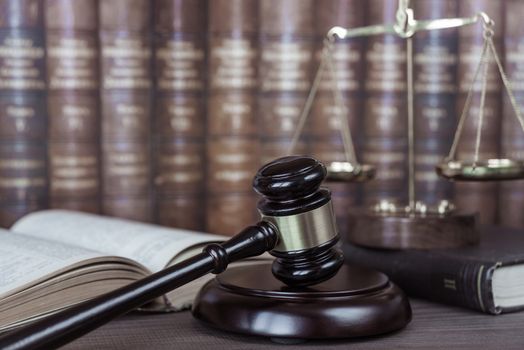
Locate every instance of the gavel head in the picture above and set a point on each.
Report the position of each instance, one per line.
(303, 214)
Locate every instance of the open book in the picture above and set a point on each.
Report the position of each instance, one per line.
(53, 259)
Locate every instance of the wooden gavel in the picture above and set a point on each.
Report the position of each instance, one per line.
(297, 227)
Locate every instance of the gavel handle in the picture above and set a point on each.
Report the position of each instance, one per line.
(65, 326)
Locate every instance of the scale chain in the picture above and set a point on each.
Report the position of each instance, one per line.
(507, 85)
(326, 59)
(341, 107)
(465, 109)
(488, 49)
(485, 60)
(307, 107)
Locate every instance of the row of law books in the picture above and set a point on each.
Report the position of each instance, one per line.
(162, 111)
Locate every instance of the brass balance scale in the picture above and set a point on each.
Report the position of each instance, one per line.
(416, 225)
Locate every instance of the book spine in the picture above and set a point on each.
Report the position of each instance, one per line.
(390, 156)
(287, 42)
(179, 118)
(73, 104)
(325, 117)
(233, 147)
(124, 35)
(430, 276)
(385, 112)
(435, 68)
(23, 117)
(480, 197)
(511, 197)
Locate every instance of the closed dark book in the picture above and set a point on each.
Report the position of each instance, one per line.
(233, 146)
(73, 104)
(180, 33)
(23, 117)
(125, 72)
(487, 277)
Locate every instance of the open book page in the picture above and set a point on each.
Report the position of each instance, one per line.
(25, 259)
(84, 275)
(152, 246)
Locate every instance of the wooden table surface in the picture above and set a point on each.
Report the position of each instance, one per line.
(434, 326)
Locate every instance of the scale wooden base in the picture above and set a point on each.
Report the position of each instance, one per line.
(354, 303)
(400, 230)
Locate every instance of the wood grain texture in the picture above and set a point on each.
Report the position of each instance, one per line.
(353, 303)
(433, 327)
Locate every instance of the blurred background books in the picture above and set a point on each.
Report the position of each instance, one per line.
(162, 111)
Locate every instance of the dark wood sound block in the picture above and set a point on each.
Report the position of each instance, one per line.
(411, 231)
(355, 302)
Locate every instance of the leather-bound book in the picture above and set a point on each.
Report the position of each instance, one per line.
(23, 117)
(385, 112)
(325, 117)
(73, 104)
(233, 147)
(391, 158)
(125, 103)
(287, 42)
(486, 277)
(481, 197)
(511, 199)
(435, 69)
(180, 30)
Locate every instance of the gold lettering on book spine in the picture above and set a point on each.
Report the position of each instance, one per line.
(126, 64)
(21, 62)
(179, 62)
(233, 64)
(285, 66)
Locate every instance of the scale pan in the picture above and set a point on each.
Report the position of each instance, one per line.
(483, 170)
(348, 172)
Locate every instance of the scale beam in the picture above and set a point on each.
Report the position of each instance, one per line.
(408, 28)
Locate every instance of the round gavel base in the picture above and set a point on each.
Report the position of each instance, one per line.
(411, 231)
(355, 302)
